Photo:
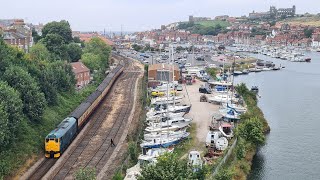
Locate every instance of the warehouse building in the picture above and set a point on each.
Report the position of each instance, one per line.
(162, 72)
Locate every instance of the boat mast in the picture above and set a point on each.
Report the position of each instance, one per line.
(172, 61)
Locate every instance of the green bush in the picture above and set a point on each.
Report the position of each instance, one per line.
(224, 174)
(240, 149)
(133, 152)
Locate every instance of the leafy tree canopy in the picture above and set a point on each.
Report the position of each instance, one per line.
(168, 167)
(61, 28)
(33, 99)
(74, 52)
(92, 61)
(251, 130)
(56, 45)
(97, 46)
(11, 105)
(39, 52)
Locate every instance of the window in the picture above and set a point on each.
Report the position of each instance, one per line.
(47, 140)
(56, 140)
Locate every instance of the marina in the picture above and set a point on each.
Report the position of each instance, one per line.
(290, 106)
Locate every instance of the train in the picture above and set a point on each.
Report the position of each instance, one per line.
(58, 140)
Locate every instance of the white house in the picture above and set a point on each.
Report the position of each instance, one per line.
(315, 42)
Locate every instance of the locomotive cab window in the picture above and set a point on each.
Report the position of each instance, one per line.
(56, 140)
(47, 140)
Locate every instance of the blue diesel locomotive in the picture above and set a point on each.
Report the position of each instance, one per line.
(57, 141)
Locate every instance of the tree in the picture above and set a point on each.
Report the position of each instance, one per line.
(308, 32)
(4, 129)
(77, 40)
(147, 47)
(168, 167)
(63, 76)
(35, 35)
(86, 174)
(61, 28)
(56, 45)
(33, 99)
(92, 61)
(251, 130)
(11, 115)
(39, 52)
(272, 23)
(212, 72)
(97, 46)
(136, 47)
(74, 52)
(48, 85)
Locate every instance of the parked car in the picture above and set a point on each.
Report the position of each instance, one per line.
(212, 66)
(205, 78)
(179, 87)
(187, 65)
(200, 58)
(205, 89)
(146, 61)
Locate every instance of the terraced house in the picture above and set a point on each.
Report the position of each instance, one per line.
(16, 33)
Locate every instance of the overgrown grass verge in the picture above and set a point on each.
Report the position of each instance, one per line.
(239, 164)
(136, 135)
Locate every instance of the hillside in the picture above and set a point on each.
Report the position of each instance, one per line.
(213, 23)
(210, 27)
(307, 21)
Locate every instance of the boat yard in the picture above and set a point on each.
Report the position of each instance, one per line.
(194, 97)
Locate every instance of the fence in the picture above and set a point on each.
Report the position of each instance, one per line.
(225, 158)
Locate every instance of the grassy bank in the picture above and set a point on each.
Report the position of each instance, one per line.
(213, 23)
(250, 133)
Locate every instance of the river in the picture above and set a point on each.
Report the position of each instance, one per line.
(290, 101)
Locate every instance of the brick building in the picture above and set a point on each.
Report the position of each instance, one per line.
(82, 73)
(162, 72)
(16, 33)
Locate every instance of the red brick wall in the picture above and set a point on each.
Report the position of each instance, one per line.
(83, 78)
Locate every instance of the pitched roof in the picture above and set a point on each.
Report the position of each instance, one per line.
(79, 67)
(87, 37)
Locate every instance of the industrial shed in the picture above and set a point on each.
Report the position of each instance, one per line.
(162, 72)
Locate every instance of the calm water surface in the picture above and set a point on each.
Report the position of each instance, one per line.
(290, 101)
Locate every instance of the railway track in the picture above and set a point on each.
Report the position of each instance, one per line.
(43, 167)
(106, 123)
(95, 154)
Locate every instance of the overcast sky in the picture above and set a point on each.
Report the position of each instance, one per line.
(136, 15)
